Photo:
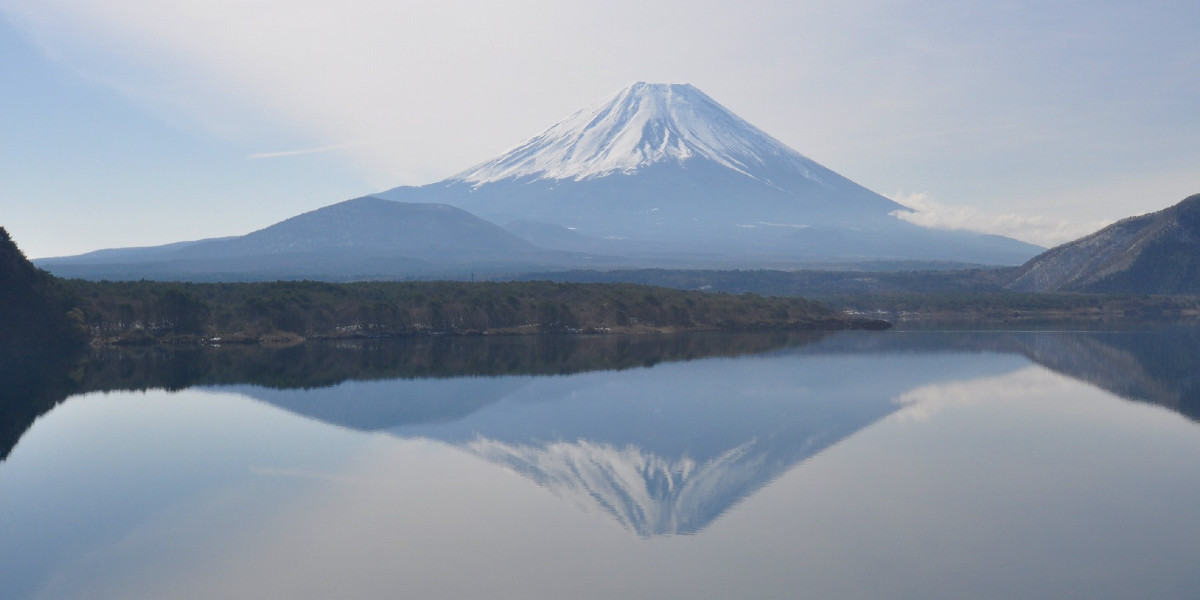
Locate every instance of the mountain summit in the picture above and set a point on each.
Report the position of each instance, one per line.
(663, 172)
(645, 124)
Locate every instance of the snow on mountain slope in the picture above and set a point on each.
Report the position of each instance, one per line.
(644, 492)
(642, 125)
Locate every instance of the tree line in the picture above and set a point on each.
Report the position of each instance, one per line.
(150, 310)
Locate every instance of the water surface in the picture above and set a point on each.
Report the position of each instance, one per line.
(894, 464)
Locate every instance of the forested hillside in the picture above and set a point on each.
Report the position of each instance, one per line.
(134, 312)
(35, 311)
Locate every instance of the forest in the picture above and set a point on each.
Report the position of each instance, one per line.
(148, 311)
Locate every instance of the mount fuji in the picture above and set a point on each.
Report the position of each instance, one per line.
(662, 171)
(655, 175)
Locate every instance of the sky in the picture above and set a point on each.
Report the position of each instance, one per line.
(143, 122)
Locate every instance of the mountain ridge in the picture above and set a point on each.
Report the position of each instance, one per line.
(1155, 253)
(361, 238)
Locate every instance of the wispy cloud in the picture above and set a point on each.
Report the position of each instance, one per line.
(318, 150)
(1037, 229)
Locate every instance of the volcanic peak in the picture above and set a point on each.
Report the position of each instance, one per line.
(641, 125)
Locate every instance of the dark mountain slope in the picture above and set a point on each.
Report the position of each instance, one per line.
(1157, 253)
(34, 311)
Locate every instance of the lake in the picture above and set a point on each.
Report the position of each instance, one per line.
(900, 464)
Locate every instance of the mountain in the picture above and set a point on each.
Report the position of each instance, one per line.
(663, 171)
(656, 175)
(1157, 253)
(364, 238)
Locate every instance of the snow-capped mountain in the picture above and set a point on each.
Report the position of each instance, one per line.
(655, 175)
(664, 170)
(646, 124)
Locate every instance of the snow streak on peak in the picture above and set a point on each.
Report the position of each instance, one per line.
(646, 493)
(641, 125)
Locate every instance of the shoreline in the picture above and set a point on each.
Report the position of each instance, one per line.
(285, 339)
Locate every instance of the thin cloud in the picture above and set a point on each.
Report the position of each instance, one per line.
(1037, 229)
(318, 150)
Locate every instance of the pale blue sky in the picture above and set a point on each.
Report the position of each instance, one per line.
(138, 122)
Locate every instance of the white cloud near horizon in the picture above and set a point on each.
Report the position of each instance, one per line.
(1037, 229)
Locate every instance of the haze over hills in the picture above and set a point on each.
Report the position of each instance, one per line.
(656, 175)
(1157, 253)
(363, 238)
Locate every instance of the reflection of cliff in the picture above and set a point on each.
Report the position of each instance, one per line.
(32, 382)
(1158, 365)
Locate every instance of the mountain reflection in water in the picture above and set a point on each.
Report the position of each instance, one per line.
(662, 451)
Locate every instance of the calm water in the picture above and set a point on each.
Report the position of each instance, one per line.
(893, 464)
